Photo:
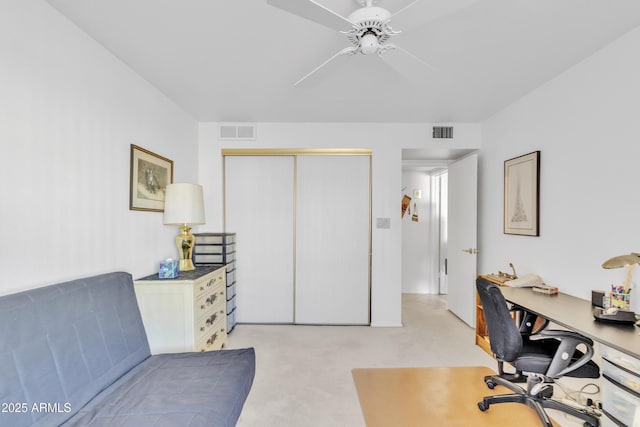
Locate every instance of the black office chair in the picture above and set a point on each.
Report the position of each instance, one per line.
(544, 357)
(529, 324)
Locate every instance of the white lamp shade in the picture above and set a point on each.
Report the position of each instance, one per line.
(183, 204)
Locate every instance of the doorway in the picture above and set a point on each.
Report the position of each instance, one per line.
(424, 231)
(424, 228)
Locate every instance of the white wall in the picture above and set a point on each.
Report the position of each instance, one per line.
(585, 123)
(386, 141)
(69, 111)
(417, 272)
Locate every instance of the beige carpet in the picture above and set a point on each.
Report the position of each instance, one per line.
(303, 373)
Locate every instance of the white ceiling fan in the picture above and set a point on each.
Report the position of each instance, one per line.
(367, 28)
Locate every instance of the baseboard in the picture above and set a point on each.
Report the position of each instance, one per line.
(386, 325)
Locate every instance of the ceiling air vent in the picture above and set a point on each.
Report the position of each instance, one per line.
(443, 132)
(236, 132)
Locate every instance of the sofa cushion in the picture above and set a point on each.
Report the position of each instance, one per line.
(63, 344)
(180, 389)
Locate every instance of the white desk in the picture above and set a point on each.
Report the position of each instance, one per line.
(576, 314)
(621, 371)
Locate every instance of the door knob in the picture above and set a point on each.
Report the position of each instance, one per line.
(470, 251)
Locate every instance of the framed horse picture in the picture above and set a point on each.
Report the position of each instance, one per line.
(150, 174)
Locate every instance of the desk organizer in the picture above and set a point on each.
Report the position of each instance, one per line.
(622, 301)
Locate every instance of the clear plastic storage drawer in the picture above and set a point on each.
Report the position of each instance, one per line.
(619, 403)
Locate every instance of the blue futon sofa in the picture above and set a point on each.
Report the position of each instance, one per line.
(76, 354)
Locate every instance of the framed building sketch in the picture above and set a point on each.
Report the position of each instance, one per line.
(150, 174)
(522, 195)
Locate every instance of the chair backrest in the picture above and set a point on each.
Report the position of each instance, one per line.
(504, 336)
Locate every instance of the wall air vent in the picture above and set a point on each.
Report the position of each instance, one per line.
(236, 131)
(443, 132)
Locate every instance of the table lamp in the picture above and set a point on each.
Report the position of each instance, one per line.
(628, 261)
(184, 207)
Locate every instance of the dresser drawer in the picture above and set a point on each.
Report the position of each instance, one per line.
(231, 320)
(208, 323)
(231, 276)
(206, 283)
(231, 304)
(620, 359)
(620, 388)
(213, 298)
(231, 290)
(621, 376)
(620, 404)
(231, 266)
(215, 337)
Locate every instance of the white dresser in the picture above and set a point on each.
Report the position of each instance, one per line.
(184, 314)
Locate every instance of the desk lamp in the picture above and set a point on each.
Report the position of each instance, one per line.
(628, 261)
(184, 207)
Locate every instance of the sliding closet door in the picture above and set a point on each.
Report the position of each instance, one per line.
(332, 239)
(259, 207)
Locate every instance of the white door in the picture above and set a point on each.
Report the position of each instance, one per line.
(259, 207)
(332, 239)
(443, 185)
(462, 235)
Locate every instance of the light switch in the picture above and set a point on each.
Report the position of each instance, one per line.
(383, 222)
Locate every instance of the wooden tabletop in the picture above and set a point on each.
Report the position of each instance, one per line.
(442, 396)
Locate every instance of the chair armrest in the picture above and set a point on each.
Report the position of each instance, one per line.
(563, 360)
(527, 321)
(560, 334)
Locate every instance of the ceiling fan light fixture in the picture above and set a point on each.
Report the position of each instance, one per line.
(371, 13)
(368, 28)
(369, 43)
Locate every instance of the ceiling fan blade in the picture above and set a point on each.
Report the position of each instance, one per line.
(418, 59)
(403, 9)
(405, 63)
(351, 50)
(425, 12)
(313, 11)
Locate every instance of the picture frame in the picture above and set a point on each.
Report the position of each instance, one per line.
(150, 174)
(522, 195)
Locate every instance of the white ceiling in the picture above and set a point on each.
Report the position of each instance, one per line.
(237, 60)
